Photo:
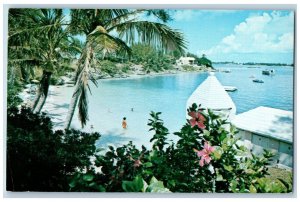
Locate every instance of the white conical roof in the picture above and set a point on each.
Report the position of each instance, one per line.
(212, 95)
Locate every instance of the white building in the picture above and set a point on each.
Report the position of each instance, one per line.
(185, 61)
(268, 128)
(212, 95)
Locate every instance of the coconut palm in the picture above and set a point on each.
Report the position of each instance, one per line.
(109, 31)
(37, 39)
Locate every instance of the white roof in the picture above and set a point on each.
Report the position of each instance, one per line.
(269, 122)
(211, 95)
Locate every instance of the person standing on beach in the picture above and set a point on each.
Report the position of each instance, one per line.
(124, 123)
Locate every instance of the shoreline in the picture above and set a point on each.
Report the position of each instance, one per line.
(138, 76)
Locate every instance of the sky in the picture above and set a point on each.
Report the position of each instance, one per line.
(265, 36)
(238, 35)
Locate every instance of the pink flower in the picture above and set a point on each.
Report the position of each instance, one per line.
(137, 163)
(204, 154)
(197, 119)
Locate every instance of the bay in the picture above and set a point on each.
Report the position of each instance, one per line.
(135, 98)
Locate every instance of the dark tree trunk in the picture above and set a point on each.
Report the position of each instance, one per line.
(42, 92)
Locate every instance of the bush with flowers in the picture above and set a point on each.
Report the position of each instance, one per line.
(206, 159)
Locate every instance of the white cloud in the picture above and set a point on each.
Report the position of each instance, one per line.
(186, 14)
(266, 33)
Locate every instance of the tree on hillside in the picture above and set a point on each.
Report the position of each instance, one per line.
(204, 61)
(108, 31)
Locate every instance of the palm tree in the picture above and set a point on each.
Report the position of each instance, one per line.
(37, 39)
(113, 30)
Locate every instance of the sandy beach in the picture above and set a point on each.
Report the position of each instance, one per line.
(105, 120)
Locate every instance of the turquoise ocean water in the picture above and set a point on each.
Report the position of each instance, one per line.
(115, 99)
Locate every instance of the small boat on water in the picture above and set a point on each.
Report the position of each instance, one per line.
(258, 81)
(252, 77)
(226, 70)
(268, 72)
(230, 88)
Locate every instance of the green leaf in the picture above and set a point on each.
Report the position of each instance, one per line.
(249, 171)
(73, 183)
(252, 189)
(233, 186)
(219, 177)
(88, 177)
(148, 164)
(206, 133)
(156, 186)
(217, 152)
(133, 186)
(228, 168)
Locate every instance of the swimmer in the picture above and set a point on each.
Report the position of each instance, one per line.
(124, 123)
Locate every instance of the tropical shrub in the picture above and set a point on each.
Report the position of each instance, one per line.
(151, 59)
(13, 99)
(206, 158)
(39, 159)
(109, 67)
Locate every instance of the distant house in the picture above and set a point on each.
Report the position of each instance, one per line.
(185, 61)
(267, 128)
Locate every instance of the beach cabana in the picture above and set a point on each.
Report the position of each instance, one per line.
(268, 128)
(212, 95)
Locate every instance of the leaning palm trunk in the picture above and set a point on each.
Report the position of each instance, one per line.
(42, 92)
(80, 92)
(72, 108)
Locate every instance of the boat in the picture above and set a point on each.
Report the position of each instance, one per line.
(230, 88)
(268, 72)
(226, 70)
(252, 77)
(258, 81)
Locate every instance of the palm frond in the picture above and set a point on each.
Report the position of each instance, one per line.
(106, 43)
(152, 33)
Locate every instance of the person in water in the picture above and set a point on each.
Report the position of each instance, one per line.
(124, 123)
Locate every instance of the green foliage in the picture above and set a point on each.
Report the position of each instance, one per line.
(167, 167)
(175, 167)
(204, 61)
(139, 185)
(13, 99)
(109, 67)
(151, 59)
(39, 159)
(126, 68)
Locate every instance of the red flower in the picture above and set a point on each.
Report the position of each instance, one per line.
(197, 119)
